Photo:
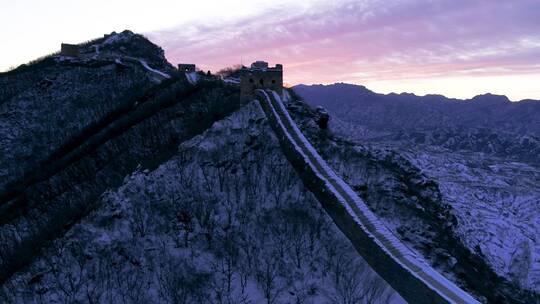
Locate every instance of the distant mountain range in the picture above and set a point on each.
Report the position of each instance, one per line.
(486, 123)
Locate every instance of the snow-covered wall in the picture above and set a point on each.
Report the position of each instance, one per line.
(399, 266)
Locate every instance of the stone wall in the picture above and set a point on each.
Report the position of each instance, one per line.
(186, 67)
(253, 79)
(409, 285)
(69, 50)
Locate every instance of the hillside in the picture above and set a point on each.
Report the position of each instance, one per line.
(91, 127)
(225, 220)
(487, 123)
(117, 199)
(493, 193)
(50, 101)
(127, 181)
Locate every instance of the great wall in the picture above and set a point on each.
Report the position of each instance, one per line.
(403, 269)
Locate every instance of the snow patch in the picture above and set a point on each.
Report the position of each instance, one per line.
(192, 77)
(115, 38)
(160, 73)
(231, 80)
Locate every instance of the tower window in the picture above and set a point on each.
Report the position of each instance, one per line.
(251, 80)
(261, 81)
(273, 81)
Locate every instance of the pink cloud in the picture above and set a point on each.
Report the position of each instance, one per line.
(372, 40)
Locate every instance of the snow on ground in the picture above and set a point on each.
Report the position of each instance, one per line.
(29, 131)
(286, 96)
(192, 77)
(96, 51)
(226, 220)
(231, 80)
(118, 37)
(158, 72)
(496, 200)
(497, 203)
(383, 236)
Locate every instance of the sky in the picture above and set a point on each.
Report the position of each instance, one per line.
(458, 48)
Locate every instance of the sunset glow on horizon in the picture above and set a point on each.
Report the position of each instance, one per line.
(457, 48)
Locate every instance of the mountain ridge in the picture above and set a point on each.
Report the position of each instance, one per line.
(492, 97)
(487, 123)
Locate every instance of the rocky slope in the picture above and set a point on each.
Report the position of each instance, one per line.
(75, 166)
(496, 203)
(225, 220)
(119, 203)
(492, 198)
(47, 102)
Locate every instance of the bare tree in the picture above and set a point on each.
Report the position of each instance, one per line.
(267, 277)
(131, 282)
(139, 220)
(182, 283)
(376, 290)
(185, 224)
(204, 212)
(228, 71)
(66, 271)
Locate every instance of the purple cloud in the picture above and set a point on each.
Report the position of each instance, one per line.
(372, 40)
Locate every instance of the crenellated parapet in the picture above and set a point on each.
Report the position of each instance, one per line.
(260, 76)
(186, 67)
(69, 50)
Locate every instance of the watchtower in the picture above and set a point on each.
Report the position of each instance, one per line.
(69, 50)
(260, 76)
(186, 67)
